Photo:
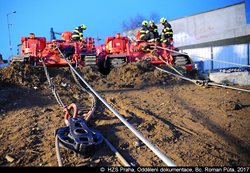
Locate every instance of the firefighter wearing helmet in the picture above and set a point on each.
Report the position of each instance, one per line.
(145, 34)
(78, 33)
(154, 29)
(167, 32)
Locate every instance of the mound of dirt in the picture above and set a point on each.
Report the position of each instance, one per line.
(134, 75)
(22, 75)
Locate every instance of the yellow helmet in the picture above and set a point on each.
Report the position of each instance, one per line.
(151, 21)
(163, 20)
(144, 23)
(84, 27)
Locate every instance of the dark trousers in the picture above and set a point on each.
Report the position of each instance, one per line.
(167, 39)
(148, 37)
(76, 38)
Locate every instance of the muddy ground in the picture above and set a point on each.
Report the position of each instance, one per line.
(195, 126)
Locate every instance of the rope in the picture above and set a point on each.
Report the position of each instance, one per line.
(226, 62)
(202, 82)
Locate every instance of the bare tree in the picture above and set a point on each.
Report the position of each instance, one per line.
(154, 16)
(125, 25)
(133, 23)
(136, 21)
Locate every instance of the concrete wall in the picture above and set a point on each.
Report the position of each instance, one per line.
(247, 6)
(221, 24)
(225, 23)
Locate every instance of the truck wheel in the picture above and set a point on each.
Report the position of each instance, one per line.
(104, 67)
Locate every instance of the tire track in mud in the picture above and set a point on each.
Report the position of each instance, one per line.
(148, 126)
(212, 119)
(123, 139)
(192, 141)
(222, 142)
(181, 120)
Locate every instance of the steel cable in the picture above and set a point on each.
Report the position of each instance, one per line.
(58, 153)
(226, 62)
(202, 82)
(170, 66)
(52, 86)
(94, 101)
(163, 157)
(93, 106)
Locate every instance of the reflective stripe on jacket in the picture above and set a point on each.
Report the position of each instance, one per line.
(78, 33)
(144, 30)
(167, 28)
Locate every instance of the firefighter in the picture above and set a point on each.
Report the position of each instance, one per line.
(167, 32)
(145, 34)
(154, 29)
(32, 35)
(78, 33)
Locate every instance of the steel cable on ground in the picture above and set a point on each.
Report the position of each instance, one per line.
(226, 62)
(57, 144)
(58, 153)
(209, 83)
(52, 86)
(94, 101)
(93, 108)
(202, 82)
(59, 101)
(170, 66)
(163, 157)
(119, 156)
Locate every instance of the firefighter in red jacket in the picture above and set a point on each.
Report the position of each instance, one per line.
(78, 33)
(167, 32)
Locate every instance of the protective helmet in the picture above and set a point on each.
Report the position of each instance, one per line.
(144, 23)
(163, 20)
(151, 21)
(84, 27)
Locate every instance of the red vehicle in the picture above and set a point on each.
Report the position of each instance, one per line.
(119, 50)
(114, 52)
(34, 48)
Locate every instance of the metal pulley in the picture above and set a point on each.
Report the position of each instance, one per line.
(77, 136)
(201, 83)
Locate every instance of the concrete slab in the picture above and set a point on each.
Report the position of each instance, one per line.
(241, 78)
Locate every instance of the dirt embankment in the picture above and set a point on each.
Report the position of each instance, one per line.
(194, 126)
(127, 76)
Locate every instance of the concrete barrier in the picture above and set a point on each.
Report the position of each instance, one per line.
(241, 78)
